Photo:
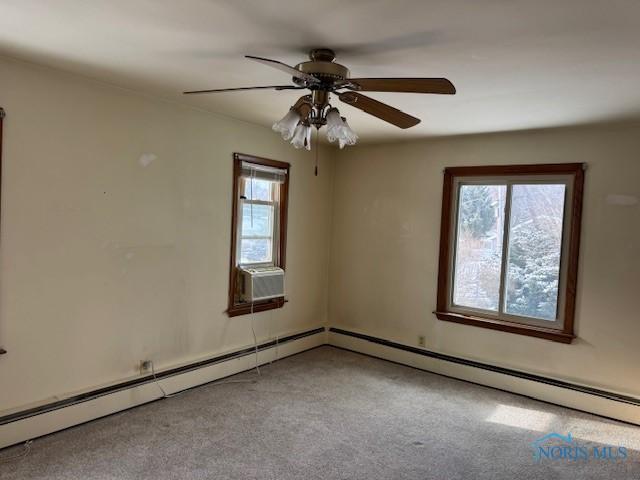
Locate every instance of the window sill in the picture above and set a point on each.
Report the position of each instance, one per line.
(245, 309)
(504, 326)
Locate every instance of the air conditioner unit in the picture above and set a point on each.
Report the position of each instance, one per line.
(261, 283)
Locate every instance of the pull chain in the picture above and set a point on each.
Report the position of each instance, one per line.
(317, 148)
(253, 176)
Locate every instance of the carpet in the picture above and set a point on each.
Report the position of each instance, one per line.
(333, 414)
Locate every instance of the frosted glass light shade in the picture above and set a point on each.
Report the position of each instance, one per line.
(287, 125)
(300, 136)
(307, 138)
(334, 124)
(339, 130)
(348, 136)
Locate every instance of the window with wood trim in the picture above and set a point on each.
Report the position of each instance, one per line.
(2, 114)
(509, 245)
(259, 225)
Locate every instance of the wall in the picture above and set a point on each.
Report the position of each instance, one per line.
(106, 262)
(385, 243)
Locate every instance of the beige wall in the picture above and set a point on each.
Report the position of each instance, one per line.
(106, 262)
(384, 259)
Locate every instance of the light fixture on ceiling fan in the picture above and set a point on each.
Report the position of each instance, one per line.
(323, 77)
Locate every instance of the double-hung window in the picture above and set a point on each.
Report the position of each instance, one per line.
(509, 248)
(259, 223)
(258, 227)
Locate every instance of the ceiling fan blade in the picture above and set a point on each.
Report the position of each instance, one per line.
(284, 68)
(275, 87)
(379, 109)
(410, 85)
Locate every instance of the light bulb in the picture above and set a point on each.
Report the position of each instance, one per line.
(300, 136)
(287, 125)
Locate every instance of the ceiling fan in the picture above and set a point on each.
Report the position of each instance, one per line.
(323, 77)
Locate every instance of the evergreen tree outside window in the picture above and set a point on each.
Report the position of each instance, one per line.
(509, 248)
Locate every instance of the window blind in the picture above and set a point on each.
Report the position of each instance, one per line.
(263, 172)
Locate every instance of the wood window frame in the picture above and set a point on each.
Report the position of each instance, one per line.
(2, 115)
(447, 236)
(234, 309)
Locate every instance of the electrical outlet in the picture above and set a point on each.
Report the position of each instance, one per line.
(145, 366)
(422, 341)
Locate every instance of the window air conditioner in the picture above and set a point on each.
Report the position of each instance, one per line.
(261, 283)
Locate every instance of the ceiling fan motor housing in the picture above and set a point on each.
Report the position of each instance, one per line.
(326, 72)
(323, 68)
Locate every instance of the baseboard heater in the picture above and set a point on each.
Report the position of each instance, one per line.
(493, 368)
(88, 396)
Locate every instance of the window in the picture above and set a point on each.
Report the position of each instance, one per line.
(509, 248)
(259, 223)
(257, 230)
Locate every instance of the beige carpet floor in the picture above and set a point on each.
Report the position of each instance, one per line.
(330, 414)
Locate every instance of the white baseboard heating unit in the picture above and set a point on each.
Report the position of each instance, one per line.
(261, 283)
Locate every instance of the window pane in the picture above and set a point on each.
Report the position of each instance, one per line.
(256, 189)
(478, 256)
(535, 241)
(255, 250)
(257, 220)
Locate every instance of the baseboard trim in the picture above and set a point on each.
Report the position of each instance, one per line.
(34, 422)
(560, 392)
(43, 419)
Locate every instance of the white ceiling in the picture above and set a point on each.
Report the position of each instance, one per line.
(517, 64)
